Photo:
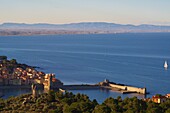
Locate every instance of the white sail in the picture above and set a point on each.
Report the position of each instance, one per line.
(166, 65)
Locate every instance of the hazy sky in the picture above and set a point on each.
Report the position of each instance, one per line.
(71, 11)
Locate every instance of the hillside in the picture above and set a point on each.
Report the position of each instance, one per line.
(58, 102)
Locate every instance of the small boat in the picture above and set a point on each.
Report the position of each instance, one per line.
(166, 65)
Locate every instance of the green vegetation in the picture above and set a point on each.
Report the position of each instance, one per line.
(58, 102)
(3, 57)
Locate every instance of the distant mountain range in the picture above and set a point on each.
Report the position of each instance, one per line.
(77, 28)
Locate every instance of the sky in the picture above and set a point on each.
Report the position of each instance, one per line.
(135, 12)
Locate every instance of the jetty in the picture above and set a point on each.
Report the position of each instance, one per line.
(106, 84)
(80, 87)
(123, 88)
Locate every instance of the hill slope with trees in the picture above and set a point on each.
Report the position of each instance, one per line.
(58, 102)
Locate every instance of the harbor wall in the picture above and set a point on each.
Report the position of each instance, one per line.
(138, 90)
(129, 88)
(80, 87)
(118, 86)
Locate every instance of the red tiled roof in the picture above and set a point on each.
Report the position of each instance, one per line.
(157, 97)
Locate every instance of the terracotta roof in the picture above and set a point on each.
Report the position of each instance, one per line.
(156, 97)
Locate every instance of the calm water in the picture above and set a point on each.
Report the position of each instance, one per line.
(133, 59)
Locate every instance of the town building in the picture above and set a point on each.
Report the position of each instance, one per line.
(167, 95)
(50, 82)
(159, 98)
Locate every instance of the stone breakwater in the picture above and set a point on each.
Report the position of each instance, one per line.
(106, 85)
(128, 89)
(123, 88)
(80, 87)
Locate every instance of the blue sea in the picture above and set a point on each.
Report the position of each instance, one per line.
(135, 59)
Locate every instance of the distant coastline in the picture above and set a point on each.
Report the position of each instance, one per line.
(18, 29)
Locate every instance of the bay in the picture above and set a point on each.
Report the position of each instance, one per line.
(135, 59)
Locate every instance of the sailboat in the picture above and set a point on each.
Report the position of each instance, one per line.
(166, 65)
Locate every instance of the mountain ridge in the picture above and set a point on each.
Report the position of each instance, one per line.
(79, 23)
